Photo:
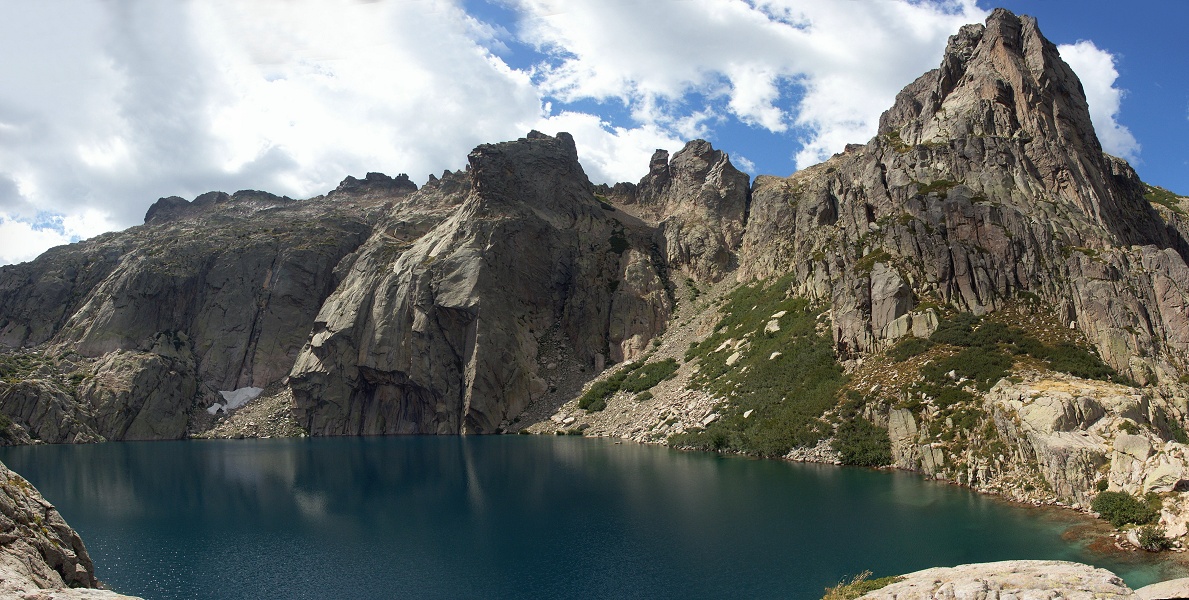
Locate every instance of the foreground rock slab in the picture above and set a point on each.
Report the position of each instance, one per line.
(41, 557)
(1014, 579)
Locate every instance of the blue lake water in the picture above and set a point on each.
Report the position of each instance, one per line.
(516, 517)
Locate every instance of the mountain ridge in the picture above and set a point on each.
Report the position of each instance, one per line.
(495, 298)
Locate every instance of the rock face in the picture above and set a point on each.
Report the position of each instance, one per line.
(699, 201)
(215, 294)
(1008, 579)
(439, 333)
(39, 552)
(388, 309)
(986, 181)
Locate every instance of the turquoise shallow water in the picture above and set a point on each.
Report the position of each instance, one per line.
(515, 517)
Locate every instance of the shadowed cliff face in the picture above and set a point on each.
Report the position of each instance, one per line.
(986, 180)
(440, 334)
(212, 295)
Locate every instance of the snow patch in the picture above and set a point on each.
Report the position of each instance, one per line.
(235, 399)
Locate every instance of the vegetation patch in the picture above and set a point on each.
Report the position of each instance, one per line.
(909, 347)
(17, 367)
(647, 376)
(941, 187)
(1121, 508)
(859, 585)
(896, 142)
(1158, 195)
(866, 264)
(1152, 539)
(634, 377)
(862, 444)
(988, 343)
(768, 360)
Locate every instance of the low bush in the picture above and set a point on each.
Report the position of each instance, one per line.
(994, 339)
(980, 364)
(862, 444)
(647, 376)
(595, 399)
(785, 395)
(908, 348)
(1152, 539)
(956, 331)
(1121, 508)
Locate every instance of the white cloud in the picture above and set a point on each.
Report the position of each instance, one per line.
(112, 105)
(745, 164)
(776, 63)
(22, 240)
(1096, 68)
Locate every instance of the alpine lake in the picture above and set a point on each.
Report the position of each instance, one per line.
(520, 517)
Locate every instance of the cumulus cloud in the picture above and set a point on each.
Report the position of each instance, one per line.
(24, 239)
(112, 105)
(1096, 68)
(780, 65)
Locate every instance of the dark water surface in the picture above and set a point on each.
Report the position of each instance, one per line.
(514, 517)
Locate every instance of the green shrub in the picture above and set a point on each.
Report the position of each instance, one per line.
(940, 187)
(595, 399)
(1152, 539)
(984, 366)
(1121, 508)
(1102, 485)
(956, 331)
(862, 444)
(908, 348)
(967, 330)
(1077, 361)
(647, 376)
(1129, 427)
(643, 396)
(1163, 197)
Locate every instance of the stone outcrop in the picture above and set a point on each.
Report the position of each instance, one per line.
(699, 202)
(40, 555)
(439, 333)
(985, 181)
(215, 294)
(1008, 579)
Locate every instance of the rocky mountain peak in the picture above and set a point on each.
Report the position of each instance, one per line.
(1003, 86)
(538, 172)
(375, 183)
(1003, 79)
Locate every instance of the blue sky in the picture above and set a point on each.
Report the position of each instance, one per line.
(107, 106)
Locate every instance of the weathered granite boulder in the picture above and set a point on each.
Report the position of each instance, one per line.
(40, 555)
(1018, 579)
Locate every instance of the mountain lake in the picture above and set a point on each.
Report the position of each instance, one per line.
(520, 517)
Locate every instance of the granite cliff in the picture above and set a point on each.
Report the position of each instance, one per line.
(978, 293)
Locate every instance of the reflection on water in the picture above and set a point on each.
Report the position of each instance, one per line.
(515, 516)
